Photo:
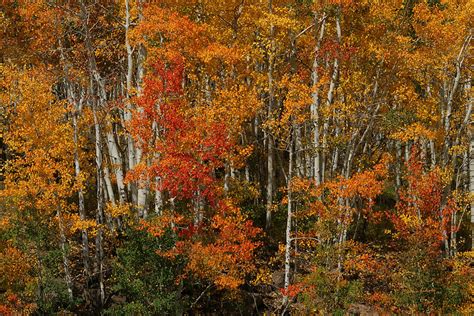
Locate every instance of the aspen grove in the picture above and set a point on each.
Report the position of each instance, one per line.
(238, 157)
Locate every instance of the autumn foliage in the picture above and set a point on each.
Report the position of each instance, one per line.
(236, 157)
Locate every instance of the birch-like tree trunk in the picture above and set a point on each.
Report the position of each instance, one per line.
(80, 193)
(316, 158)
(100, 207)
(128, 105)
(158, 193)
(471, 164)
(471, 183)
(330, 99)
(99, 97)
(448, 96)
(134, 150)
(108, 185)
(77, 100)
(288, 223)
(117, 165)
(270, 143)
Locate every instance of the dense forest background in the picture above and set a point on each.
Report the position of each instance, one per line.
(236, 157)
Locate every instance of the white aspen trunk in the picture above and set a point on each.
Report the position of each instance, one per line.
(471, 175)
(95, 76)
(102, 97)
(107, 217)
(142, 191)
(330, 99)
(316, 159)
(407, 151)
(141, 56)
(158, 197)
(453, 237)
(270, 180)
(270, 149)
(226, 177)
(465, 171)
(108, 185)
(298, 152)
(468, 165)
(116, 161)
(431, 143)
(308, 152)
(335, 156)
(471, 162)
(132, 158)
(433, 154)
(128, 105)
(450, 96)
(158, 193)
(100, 207)
(246, 167)
(398, 164)
(471, 183)
(462, 172)
(447, 126)
(247, 173)
(80, 193)
(353, 147)
(288, 225)
(348, 163)
(77, 167)
(335, 73)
